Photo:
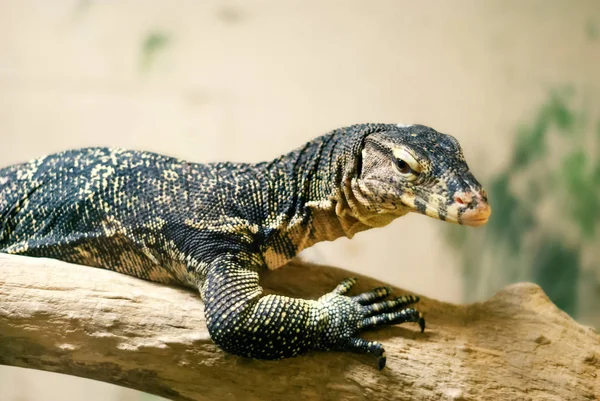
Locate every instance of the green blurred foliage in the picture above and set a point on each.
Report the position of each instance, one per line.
(591, 30)
(152, 45)
(546, 212)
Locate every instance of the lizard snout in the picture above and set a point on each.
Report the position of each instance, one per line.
(474, 208)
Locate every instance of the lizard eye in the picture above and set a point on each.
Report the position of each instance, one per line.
(406, 163)
(403, 166)
(406, 170)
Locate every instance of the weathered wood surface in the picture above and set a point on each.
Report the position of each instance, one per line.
(107, 326)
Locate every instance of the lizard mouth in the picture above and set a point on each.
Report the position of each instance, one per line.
(476, 213)
(476, 216)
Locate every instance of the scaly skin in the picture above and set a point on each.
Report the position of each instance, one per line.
(214, 226)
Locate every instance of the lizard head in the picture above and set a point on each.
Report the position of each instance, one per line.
(416, 169)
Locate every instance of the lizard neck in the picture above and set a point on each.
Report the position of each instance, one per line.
(309, 195)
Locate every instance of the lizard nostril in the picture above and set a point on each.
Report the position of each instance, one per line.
(463, 198)
(460, 199)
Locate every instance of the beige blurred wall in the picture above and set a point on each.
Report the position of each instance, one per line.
(247, 81)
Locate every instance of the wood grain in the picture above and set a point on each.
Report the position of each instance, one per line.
(106, 326)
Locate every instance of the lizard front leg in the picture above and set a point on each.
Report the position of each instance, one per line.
(242, 321)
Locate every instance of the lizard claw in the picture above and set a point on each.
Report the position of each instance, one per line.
(365, 311)
(381, 362)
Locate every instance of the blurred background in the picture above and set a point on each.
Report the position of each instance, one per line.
(517, 82)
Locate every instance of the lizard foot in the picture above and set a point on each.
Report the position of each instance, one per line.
(350, 315)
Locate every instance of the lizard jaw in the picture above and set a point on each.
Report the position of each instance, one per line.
(477, 216)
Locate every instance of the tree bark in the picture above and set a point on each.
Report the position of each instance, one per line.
(106, 326)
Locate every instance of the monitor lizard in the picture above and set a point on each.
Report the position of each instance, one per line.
(214, 226)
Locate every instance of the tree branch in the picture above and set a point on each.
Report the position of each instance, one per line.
(106, 326)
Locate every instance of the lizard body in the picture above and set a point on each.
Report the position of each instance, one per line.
(213, 226)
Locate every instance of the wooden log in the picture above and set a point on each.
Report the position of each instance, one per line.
(106, 326)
